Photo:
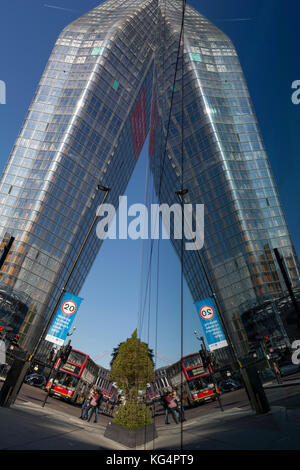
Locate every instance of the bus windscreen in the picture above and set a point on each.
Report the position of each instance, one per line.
(66, 380)
(77, 358)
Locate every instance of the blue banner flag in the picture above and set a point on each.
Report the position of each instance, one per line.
(64, 318)
(210, 322)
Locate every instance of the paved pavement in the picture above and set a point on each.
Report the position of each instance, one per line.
(27, 426)
(236, 429)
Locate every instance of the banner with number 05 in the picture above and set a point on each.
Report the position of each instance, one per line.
(64, 318)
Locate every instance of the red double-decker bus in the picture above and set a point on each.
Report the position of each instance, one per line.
(195, 379)
(74, 377)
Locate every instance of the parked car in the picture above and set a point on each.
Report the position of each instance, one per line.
(229, 385)
(288, 368)
(36, 380)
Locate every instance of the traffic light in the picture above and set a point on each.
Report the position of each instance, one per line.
(14, 342)
(268, 344)
(65, 352)
(252, 351)
(3, 331)
(6, 331)
(52, 355)
(213, 360)
(205, 356)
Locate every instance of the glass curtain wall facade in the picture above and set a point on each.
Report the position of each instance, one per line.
(86, 125)
(109, 80)
(224, 166)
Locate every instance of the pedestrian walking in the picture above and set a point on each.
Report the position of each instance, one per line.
(153, 408)
(277, 371)
(94, 406)
(86, 403)
(180, 405)
(106, 406)
(164, 404)
(113, 403)
(173, 407)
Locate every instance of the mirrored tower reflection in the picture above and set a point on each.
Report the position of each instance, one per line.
(109, 81)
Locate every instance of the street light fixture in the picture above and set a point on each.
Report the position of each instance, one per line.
(74, 329)
(103, 188)
(200, 338)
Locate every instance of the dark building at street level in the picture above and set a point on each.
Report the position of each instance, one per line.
(13, 308)
(111, 79)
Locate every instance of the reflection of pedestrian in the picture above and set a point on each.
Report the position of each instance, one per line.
(152, 408)
(86, 403)
(106, 407)
(113, 403)
(165, 407)
(277, 371)
(180, 407)
(84, 407)
(172, 406)
(80, 398)
(94, 406)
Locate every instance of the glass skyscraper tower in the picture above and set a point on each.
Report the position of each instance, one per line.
(110, 80)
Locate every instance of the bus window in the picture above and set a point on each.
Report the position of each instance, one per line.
(66, 380)
(77, 357)
(199, 384)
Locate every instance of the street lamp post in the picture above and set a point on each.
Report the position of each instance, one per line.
(63, 290)
(255, 391)
(15, 377)
(234, 356)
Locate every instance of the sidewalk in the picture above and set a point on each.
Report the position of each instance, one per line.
(30, 427)
(236, 429)
(285, 383)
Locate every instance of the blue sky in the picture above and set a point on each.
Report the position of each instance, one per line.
(266, 38)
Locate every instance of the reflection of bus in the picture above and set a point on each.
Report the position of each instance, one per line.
(110, 393)
(107, 387)
(152, 392)
(75, 377)
(196, 379)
